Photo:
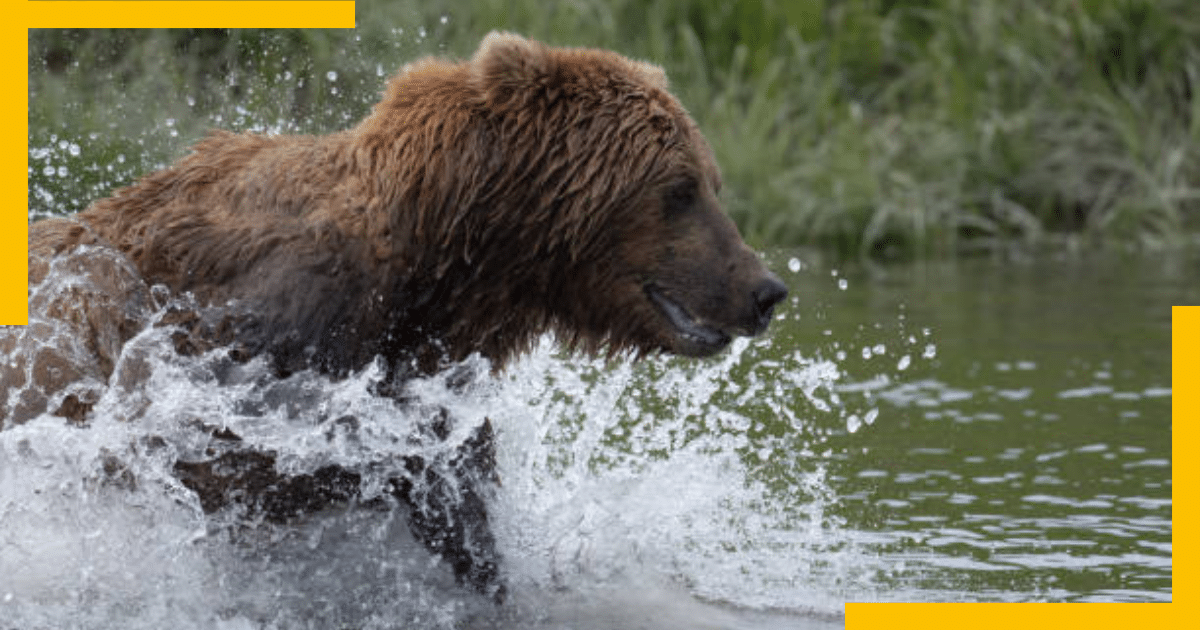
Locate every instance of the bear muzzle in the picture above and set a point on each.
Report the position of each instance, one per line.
(696, 335)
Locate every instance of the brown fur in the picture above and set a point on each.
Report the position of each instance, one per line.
(62, 360)
(480, 205)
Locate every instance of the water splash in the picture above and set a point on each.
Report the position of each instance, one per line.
(640, 483)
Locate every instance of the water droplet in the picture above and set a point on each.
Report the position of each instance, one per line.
(870, 416)
(794, 265)
(73, 149)
(445, 18)
(853, 423)
(879, 349)
(856, 110)
(331, 75)
(48, 171)
(904, 362)
(866, 352)
(842, 284)
(930, 351)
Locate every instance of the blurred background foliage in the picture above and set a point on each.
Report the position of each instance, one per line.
(868, 128)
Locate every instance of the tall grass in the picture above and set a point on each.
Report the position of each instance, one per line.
(870, 127)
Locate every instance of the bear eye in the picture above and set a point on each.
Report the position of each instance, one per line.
(680, 197)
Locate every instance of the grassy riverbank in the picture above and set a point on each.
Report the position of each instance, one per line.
(867, 127)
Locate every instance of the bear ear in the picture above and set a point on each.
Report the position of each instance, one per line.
(506, 61)
(653, 75)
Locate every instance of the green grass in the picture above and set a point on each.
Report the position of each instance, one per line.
(867, 127)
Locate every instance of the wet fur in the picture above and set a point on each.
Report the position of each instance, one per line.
(480, 205)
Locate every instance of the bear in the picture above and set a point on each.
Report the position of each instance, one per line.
(481, 204)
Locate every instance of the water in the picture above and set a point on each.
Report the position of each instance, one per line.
(1030, 458)
(614, 509)
(970, 431)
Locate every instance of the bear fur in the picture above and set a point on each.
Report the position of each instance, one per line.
(480, 205)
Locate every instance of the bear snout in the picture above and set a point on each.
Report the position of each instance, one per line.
(769, 292)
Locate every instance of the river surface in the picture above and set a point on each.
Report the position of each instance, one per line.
(974, 430)
(1030, 458)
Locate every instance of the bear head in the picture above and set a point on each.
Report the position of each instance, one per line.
(534, 188)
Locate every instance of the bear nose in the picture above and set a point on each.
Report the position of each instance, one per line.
(766, 295)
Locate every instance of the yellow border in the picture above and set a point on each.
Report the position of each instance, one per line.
(14, 219)
(1185, 374)
(13, 255)
(198, 14)
(14, 48)
(1014, 616)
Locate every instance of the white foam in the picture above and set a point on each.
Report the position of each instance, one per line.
(622, 485)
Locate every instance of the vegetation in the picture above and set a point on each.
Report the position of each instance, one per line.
(870, 127)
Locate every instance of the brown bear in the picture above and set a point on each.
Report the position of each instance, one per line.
(480, 205)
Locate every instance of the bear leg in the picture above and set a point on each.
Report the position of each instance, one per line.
(448, 513)
(447, 510)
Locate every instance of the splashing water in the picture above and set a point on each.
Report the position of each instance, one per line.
(632, 494)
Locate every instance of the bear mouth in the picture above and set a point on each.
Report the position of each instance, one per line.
(692, 337)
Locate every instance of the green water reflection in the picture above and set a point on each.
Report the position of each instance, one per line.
(1019, 436)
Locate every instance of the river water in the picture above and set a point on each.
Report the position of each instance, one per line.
(1030, 458)
(972, 430)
